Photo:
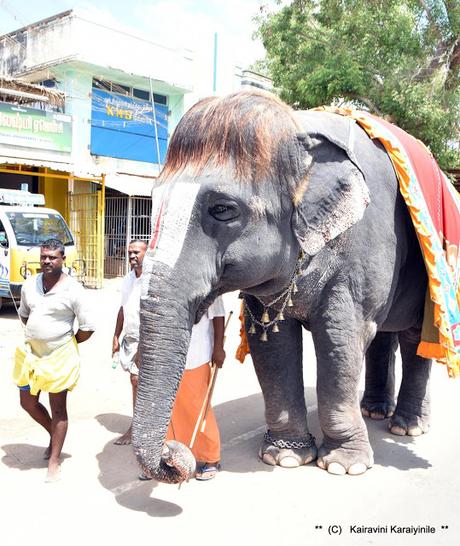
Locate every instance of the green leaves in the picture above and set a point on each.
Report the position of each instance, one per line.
(397, 58)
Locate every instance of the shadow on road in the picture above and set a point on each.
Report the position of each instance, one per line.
(26, 456)
(8, 312)
(391, 450)
(242, 425)
(119, 473)
(114, 422)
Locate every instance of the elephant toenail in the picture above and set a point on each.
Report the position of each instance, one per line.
(414, 431)
(320, 463)
(268, 459)
(399, 431)
(356, 469)
(289, 462)
(337, 469)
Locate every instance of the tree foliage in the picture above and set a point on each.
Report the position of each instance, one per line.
(396, 58)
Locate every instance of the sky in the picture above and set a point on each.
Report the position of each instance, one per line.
(187, 24)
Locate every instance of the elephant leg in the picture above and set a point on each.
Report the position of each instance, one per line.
(278, 365)
(378, 401)
(412, 413)
(340, 340)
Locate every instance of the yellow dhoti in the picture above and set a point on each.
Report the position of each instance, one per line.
(189, 401)
(56, 372)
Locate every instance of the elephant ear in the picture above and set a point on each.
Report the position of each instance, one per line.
(333, 196)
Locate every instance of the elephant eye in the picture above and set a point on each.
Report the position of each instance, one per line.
(224, 213)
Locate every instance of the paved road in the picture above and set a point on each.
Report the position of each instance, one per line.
(415, 482)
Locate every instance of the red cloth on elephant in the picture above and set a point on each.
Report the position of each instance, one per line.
(434, 207)
(189, 401)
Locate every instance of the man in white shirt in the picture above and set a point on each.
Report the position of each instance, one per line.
(128, 322)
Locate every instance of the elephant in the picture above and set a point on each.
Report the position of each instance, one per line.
(301, 212)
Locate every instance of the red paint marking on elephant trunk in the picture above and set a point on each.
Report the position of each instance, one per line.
(157, 228)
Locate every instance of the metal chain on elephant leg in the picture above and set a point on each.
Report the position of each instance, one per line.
(308, 442)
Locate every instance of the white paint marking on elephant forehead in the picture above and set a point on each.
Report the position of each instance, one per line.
(171, 210)
(252, 433)
(258, 206)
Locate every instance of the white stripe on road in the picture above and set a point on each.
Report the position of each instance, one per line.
(129, 486)
(244, 437)
(252, 433)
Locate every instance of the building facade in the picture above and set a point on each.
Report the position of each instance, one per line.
(122, 95)
(96, 152)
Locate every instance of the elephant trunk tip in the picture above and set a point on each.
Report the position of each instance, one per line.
(177, 464)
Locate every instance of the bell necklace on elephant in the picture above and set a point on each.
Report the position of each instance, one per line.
(286, 296)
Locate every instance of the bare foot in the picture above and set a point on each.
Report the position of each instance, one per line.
(47, 453)
(125, 439)
(54, 472)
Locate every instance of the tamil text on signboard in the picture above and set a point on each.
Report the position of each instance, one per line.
(33, 128)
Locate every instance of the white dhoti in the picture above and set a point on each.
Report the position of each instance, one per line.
(128, 351)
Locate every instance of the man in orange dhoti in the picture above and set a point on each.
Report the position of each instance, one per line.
(206, 347)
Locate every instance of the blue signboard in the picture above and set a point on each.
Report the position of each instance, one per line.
(123, 127)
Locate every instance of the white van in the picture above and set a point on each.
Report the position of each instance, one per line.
(24, 225)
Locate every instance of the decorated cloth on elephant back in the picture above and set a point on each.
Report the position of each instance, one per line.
(434, 207)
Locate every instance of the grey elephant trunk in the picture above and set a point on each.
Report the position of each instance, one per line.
(164, 339)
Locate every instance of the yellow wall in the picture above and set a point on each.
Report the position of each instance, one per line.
(83, 186)
(55, 192)
(87, 224)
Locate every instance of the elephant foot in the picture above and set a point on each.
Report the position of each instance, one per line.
(377, 410)
(345, 459)
(288, 453)
(408, 425)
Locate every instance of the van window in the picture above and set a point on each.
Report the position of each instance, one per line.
(3, 236)
(32, 228)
